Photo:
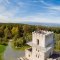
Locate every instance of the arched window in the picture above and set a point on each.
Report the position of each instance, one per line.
(29, 55)
(38, 56)
(37, 41)
(38, 50)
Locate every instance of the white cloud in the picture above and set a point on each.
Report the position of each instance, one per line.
(50, 6)
(7, 1)
(21, 4)
(36, 18)
(55, 8)
(9, 15)
(3, 18)
(2, 9)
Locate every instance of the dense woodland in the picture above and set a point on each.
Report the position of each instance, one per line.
(22, 33)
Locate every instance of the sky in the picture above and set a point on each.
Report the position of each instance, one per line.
(16, 11)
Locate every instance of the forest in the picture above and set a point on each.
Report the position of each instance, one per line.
(22, 33)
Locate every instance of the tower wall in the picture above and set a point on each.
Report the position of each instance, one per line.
(45, 41)
(40, 37)
(37, 54)
(49, 40)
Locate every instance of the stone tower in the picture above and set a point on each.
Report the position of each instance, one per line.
(41, 46)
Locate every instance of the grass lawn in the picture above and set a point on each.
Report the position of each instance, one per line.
(2, 49)
(22, 48)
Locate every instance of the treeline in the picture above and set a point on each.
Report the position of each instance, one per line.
(21, 33)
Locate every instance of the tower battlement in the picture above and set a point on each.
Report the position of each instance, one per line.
(43, 32)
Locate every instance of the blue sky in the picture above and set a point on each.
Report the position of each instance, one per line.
(15, 11)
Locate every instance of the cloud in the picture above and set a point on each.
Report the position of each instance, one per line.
(19, 11)
(38, 18)
(3, 18)
(43, 2)
(7, 1)
(57, 8)
(21, 4)
(7, 9)
(50, 6)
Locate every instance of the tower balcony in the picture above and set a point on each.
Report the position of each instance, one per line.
(43, 49)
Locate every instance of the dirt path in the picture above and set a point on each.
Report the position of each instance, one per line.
(11, 54)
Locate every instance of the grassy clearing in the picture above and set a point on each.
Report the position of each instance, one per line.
(22, 48)
(2, 49)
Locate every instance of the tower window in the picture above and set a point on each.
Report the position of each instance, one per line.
(29, 55)
(38, 50)
(38, 56)
(37, 41)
